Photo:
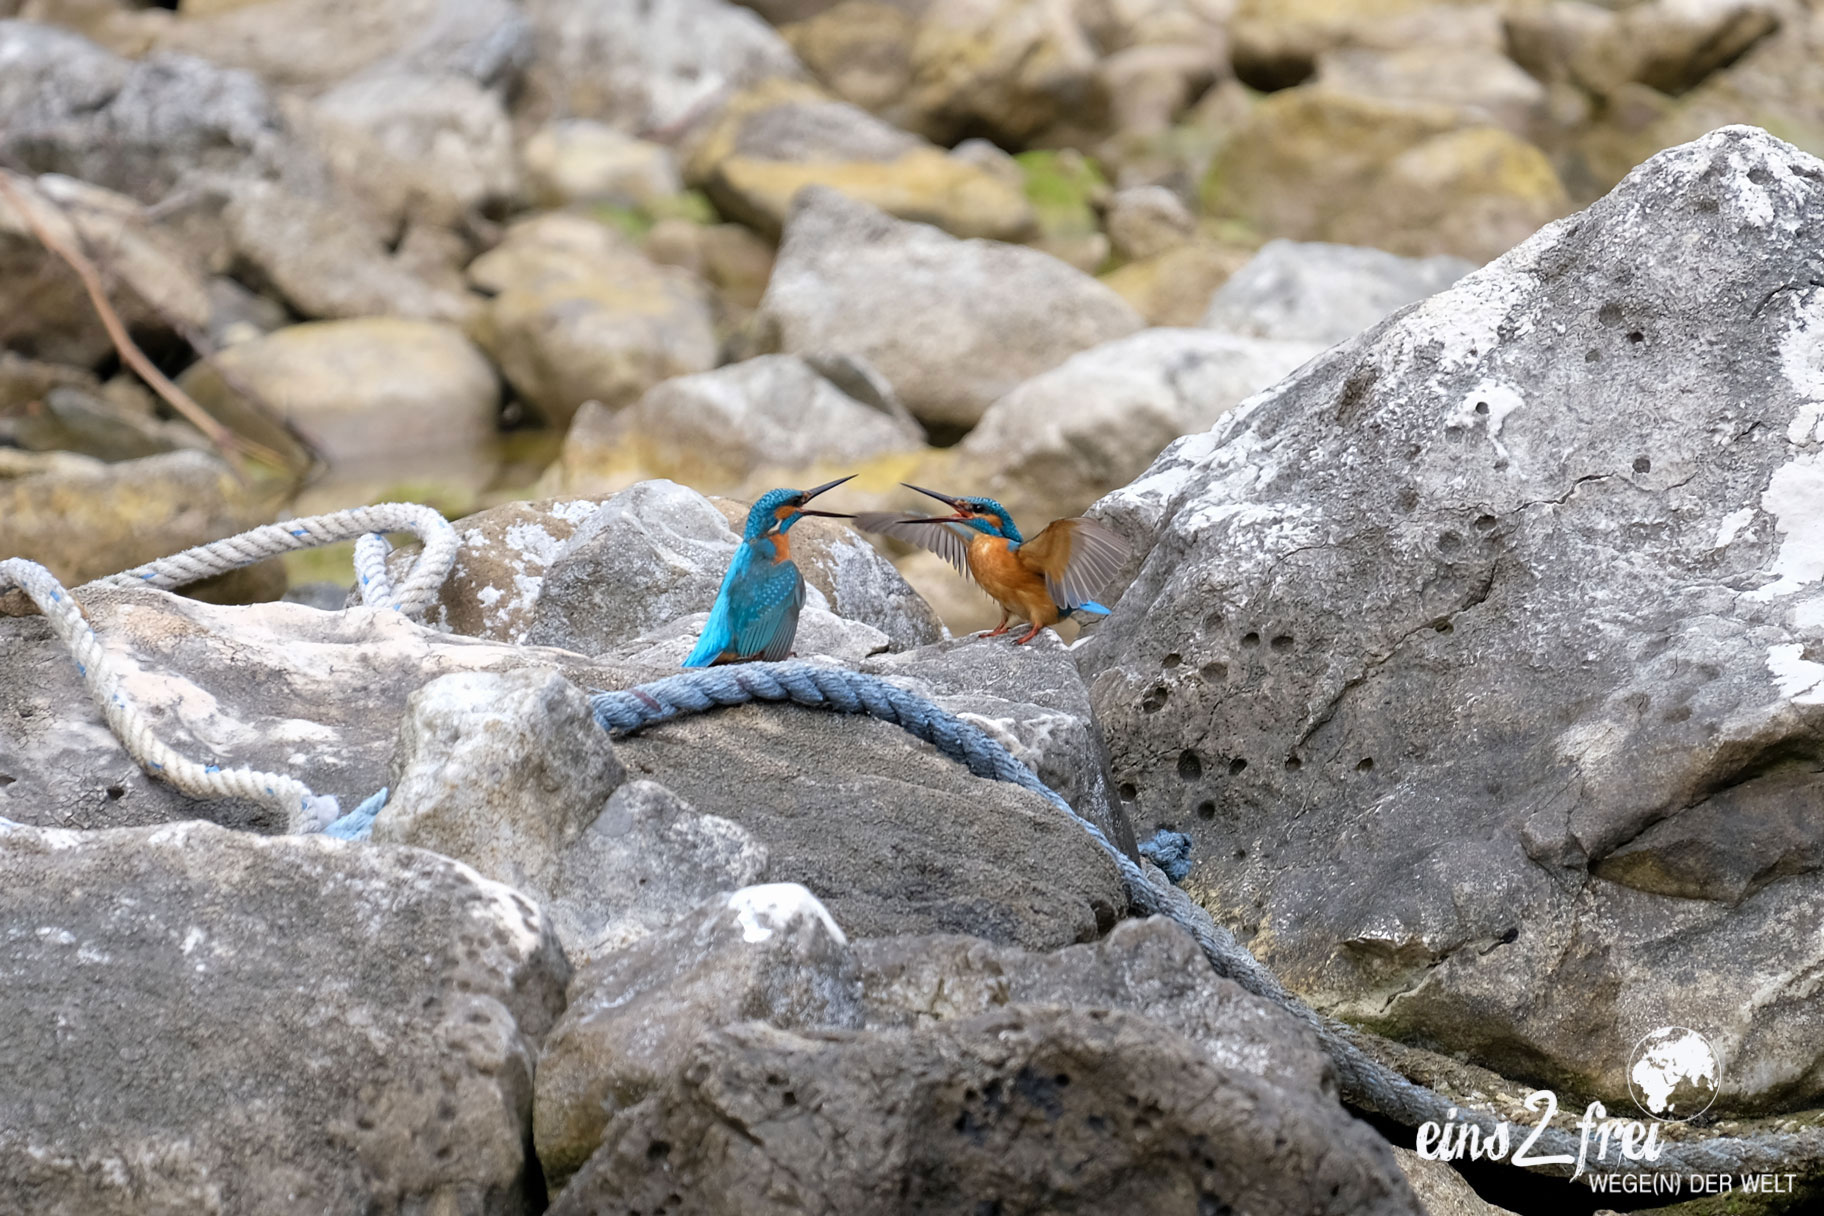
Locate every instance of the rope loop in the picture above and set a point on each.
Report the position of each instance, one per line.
(302, 810)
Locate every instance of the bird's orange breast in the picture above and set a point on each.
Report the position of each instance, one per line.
(1001, 573)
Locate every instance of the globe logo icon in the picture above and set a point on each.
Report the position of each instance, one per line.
(1673, 1074)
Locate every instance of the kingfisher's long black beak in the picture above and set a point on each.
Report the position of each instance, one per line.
(943, 498)
(815, 491)
(826, 486)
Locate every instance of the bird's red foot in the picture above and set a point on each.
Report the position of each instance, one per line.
(1030, 634)
(993, 633)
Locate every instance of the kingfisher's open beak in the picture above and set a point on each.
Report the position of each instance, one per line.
(962, 510)
(815, 491)
(943, 498)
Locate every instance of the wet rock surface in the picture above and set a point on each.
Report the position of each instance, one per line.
(1509, 596)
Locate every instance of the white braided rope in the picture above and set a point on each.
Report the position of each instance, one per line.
(303, 811)
(364, 524)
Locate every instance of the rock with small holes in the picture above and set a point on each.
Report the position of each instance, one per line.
(1477, 656)
(1022, 1110)
(770, 953)
(202, 1020)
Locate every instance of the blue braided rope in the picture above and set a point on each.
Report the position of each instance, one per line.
(1364, 1080)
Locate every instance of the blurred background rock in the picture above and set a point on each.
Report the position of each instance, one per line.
(473, 251)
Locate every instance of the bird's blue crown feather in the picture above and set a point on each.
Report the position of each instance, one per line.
(762, 517)
(1001, 525)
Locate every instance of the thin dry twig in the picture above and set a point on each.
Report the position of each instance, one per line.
(231, 445)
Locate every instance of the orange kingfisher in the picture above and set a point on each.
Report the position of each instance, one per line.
(1043, 580)
(756, 612)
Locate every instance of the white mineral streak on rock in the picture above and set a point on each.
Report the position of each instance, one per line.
(1731, 526)
(1795, 498)
(1489, 404)
(1802, 361)
(764, 909)
(1800, 680)
(1458, 328)
(1809, 614)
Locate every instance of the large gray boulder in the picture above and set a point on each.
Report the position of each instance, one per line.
(507, 772)
(1149, 967)
(955, 1000)
(1093, 423)
(1476, 656)
(774, 412)
(770, 953)
(1023, 1110)
(141, 127)
(892, 836)
(1310, 291)
(647, 68)
(952, 324)
(1033, 702)
(200, 1020)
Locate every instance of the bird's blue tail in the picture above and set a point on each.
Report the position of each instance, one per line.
(1091, 607)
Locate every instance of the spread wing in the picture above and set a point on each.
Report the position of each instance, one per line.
(1078, 557)
(764, 608)
(948, 541)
